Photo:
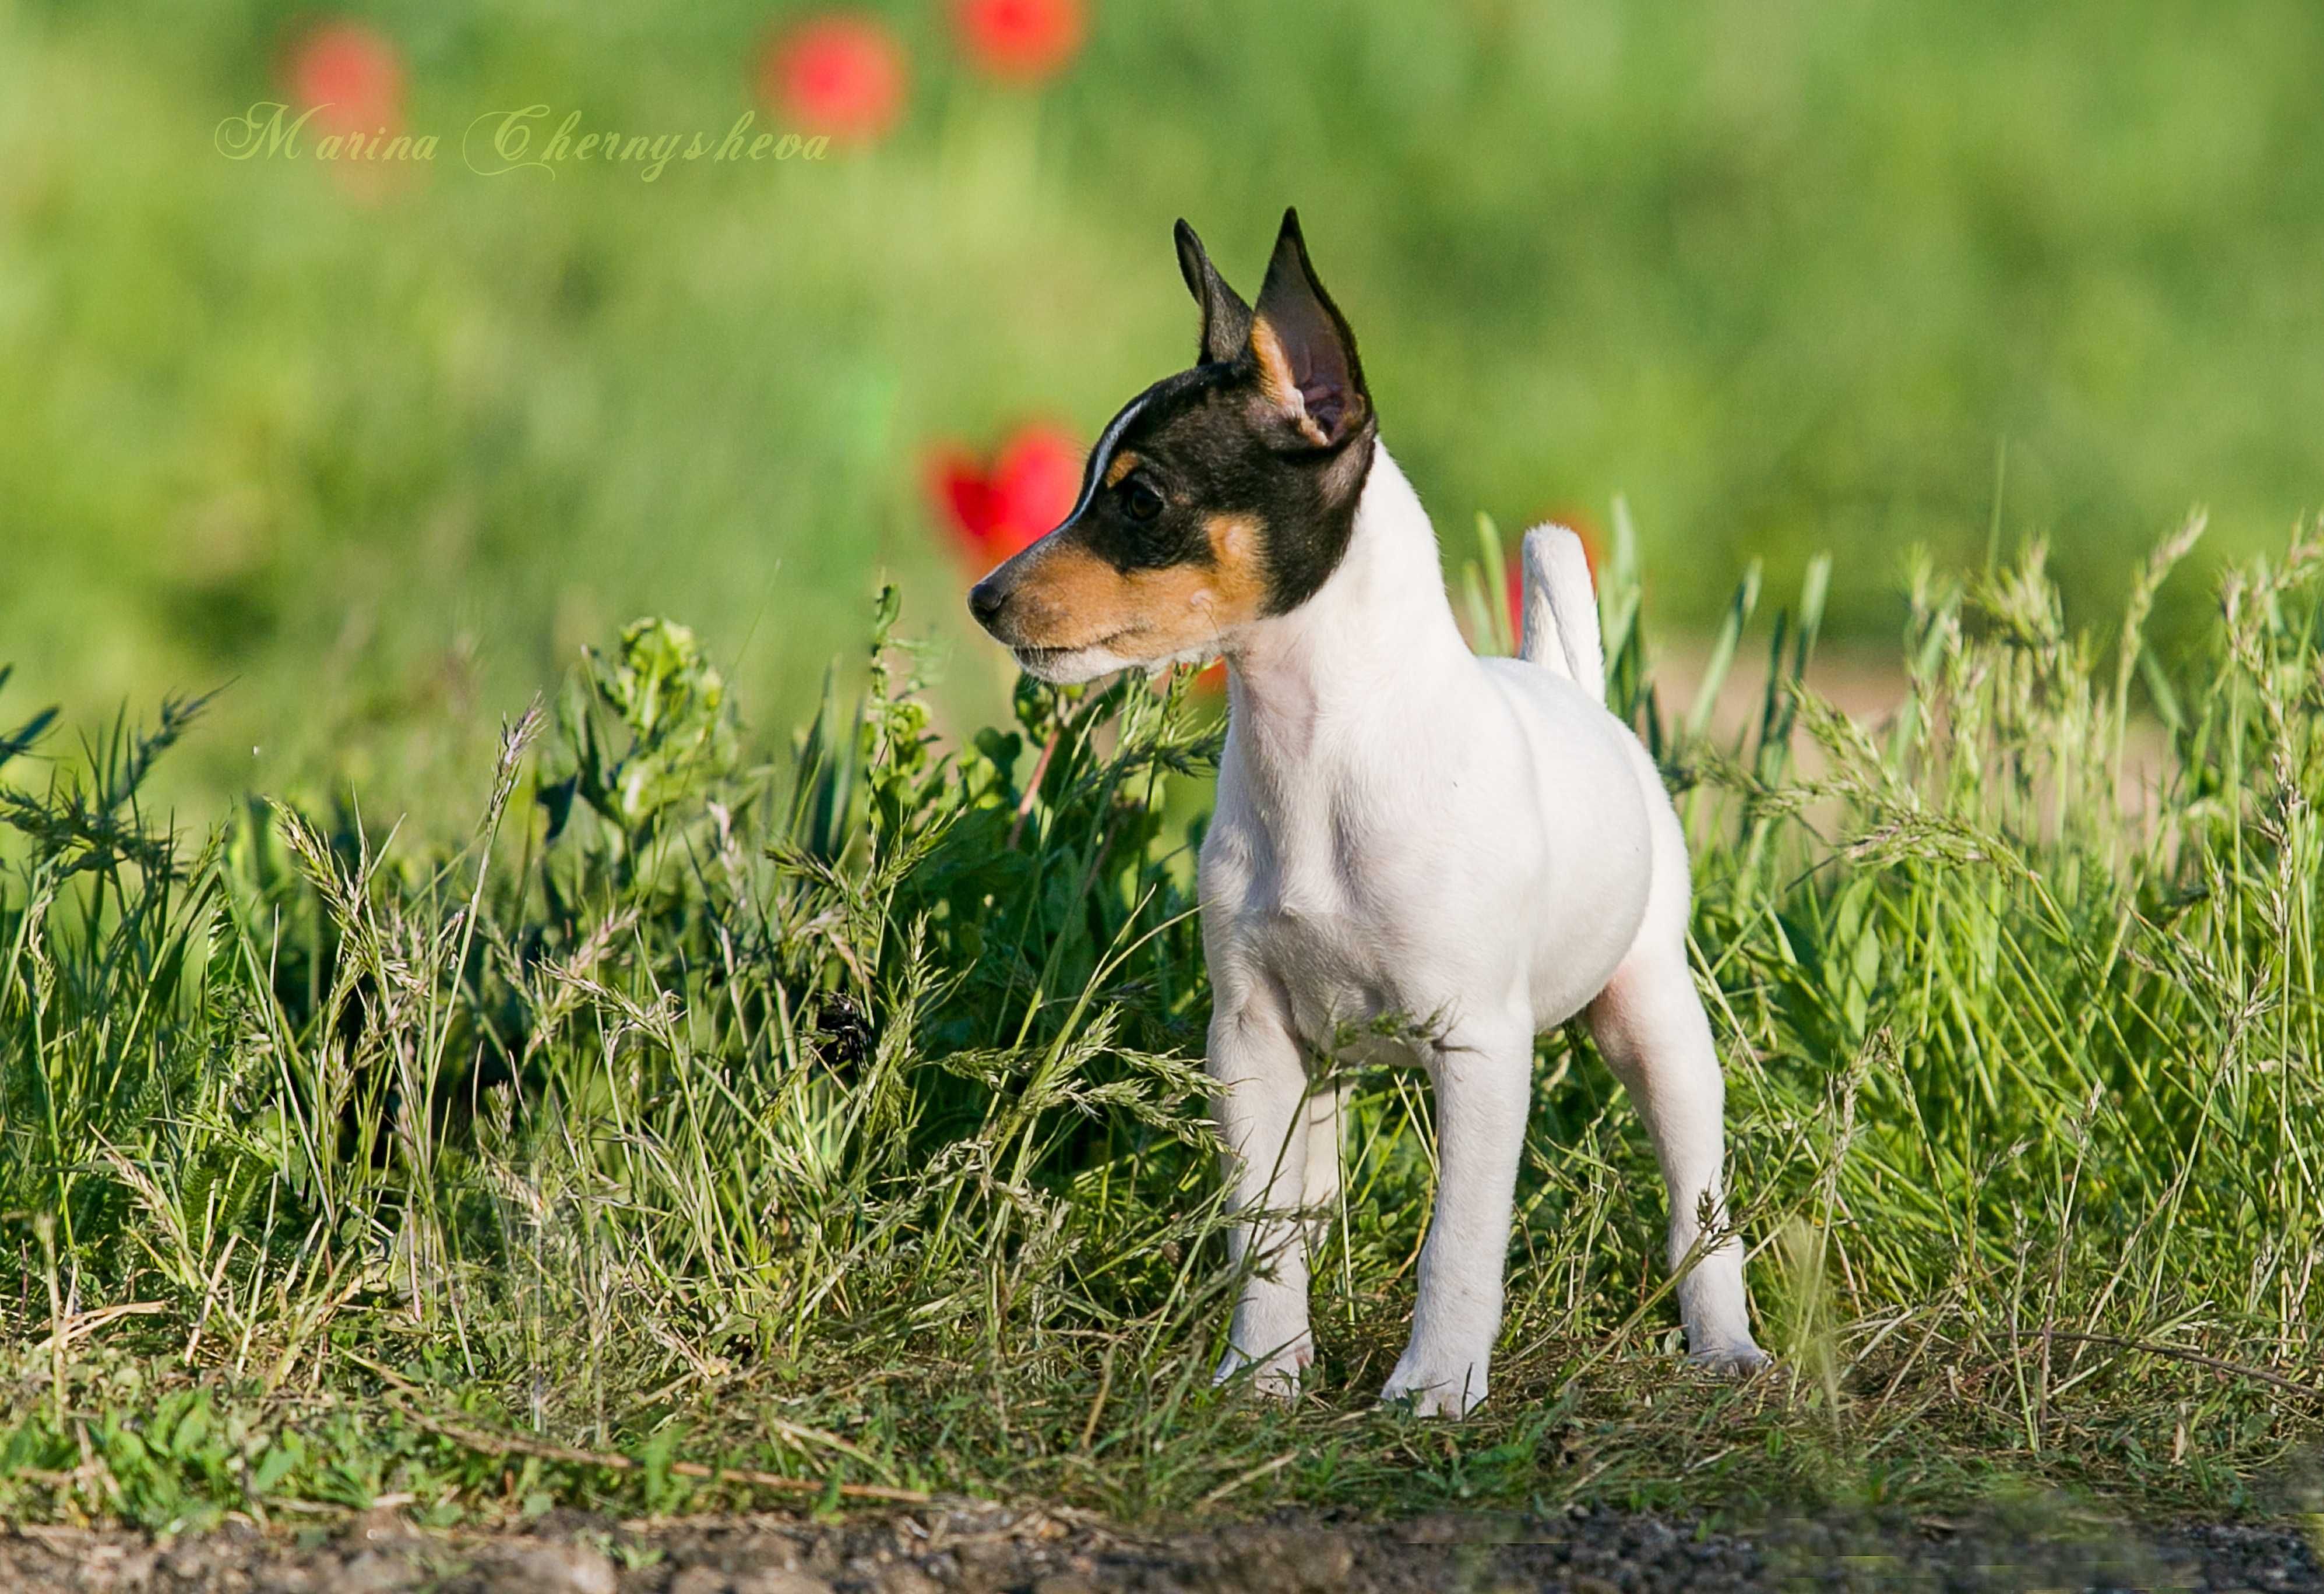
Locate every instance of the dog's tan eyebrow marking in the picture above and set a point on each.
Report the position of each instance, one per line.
(1118, 467)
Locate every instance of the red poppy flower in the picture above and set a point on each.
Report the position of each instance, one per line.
(840, 73)
(1029, 487)
(350, 75)
(1022, 41)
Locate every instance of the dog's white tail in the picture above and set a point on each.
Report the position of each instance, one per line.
(1560, 610)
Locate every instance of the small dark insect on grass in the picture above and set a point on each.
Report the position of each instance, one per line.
(701, 1129)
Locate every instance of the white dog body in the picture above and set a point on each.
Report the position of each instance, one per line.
(1475, 844)
(1472, 846)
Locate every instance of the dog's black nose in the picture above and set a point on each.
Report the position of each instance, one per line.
(985, 600)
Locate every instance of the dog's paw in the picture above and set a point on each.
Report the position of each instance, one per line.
(1276, 1376)
(1443, 1392)
(1732, 1361)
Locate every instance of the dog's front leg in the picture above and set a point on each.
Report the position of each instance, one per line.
(1260, 1103)
(1484, 1086)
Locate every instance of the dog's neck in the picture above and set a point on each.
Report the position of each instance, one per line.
(1379, 630)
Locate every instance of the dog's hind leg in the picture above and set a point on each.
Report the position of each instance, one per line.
(1651, 1030)
(1263, 1106)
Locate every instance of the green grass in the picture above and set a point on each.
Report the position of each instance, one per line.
(1792, 277)
(832, 1111)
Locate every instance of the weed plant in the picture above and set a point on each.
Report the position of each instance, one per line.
(714, 1124)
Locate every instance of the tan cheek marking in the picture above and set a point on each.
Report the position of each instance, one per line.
(1186, 606)
(1234, 552)
(1120, 466)
(1071, 598)
(1177, 607)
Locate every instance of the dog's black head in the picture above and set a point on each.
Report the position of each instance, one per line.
(1217, 497)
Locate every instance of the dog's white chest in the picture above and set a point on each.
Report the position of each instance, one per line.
(1342, 902)
(1333, 958)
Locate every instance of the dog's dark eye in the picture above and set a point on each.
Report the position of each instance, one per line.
(1139, 500)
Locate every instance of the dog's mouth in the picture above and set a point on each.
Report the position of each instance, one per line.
(1079, 662)
(1028, 650)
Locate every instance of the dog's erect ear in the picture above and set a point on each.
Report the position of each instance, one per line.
(1306, 356)
(1226, 319)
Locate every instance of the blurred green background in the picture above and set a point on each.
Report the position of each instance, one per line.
(1794, 277)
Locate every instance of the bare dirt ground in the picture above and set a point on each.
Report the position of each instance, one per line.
(985, 1550)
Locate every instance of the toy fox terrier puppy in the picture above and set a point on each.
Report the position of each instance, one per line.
(1402, 828)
